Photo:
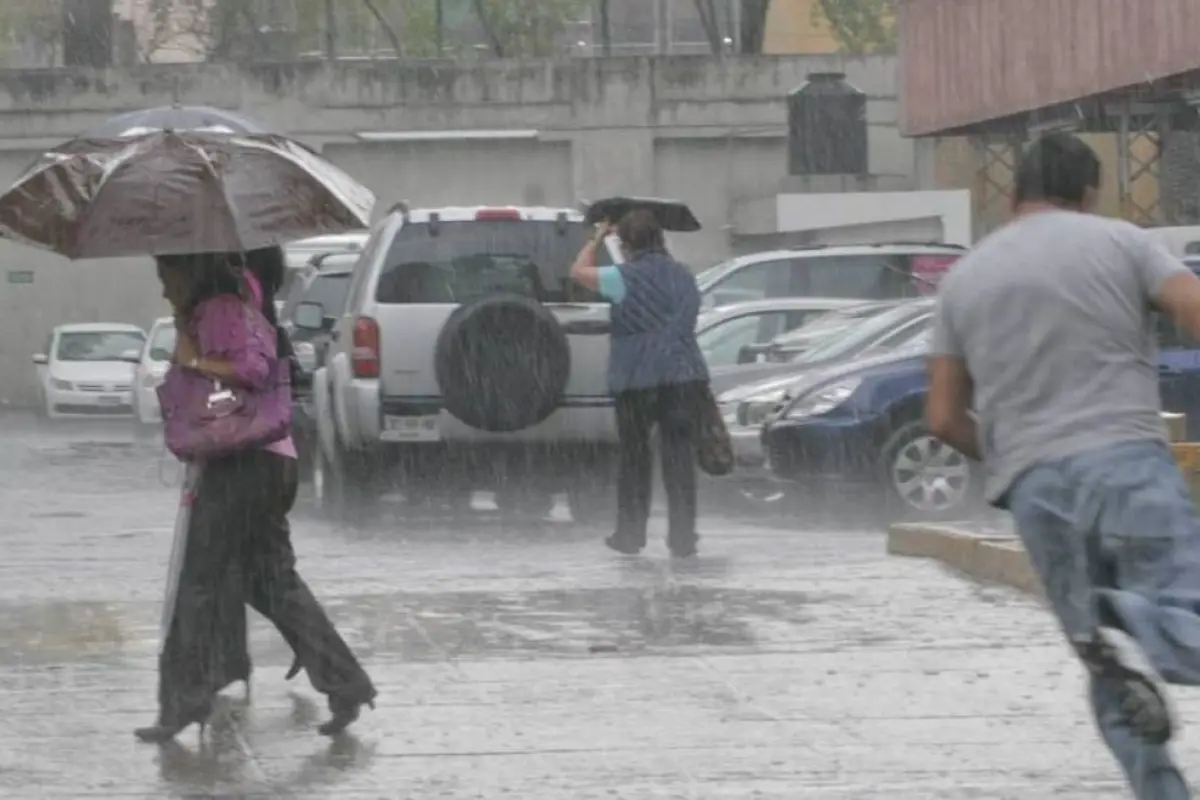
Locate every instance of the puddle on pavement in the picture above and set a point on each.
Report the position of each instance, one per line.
(621, 619)
(62, 631)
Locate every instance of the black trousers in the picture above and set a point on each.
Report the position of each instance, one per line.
(239, 551)
(675, 410)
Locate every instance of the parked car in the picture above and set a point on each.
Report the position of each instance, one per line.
(865, 272)
(863, 423)
(85, 370)
(324, 289)
(861, 427)
(892, 325)
(300, 254)
(725, 334)
(466, 358)
(325, 280)
(150, 367)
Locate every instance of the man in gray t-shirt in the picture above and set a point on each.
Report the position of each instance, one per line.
(1045, 366)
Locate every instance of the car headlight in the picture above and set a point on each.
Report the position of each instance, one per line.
(62, 386)
(753, 411)
(152, 380)
(823, 399)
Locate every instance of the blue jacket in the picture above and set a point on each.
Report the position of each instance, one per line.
(654, 326)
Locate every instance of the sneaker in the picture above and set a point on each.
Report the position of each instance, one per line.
(1141, 694)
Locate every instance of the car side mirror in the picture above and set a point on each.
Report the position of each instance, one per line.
(41, 359)
(309, 316)
(748, 354)
(132, 356)
(328, 323)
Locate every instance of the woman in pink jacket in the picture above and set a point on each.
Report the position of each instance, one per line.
(238, 543)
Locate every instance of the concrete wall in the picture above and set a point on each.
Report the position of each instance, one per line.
(705, 129)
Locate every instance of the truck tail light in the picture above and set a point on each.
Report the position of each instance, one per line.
(365, 355)
(498, 215)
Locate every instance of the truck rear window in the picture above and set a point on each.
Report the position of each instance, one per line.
(464, 261)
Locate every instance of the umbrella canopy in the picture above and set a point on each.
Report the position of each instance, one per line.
(672, 215)
(180, 192)
(174, 118)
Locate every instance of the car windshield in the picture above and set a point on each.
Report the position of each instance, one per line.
(462, 261)
(162, 343)
(855, 337)
(827, 325)
(97, 345)
(715, 273)
(329, 291)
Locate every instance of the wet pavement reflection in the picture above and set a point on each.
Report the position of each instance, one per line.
(516, 657)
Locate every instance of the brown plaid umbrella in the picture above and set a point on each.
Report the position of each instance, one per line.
(161, 191)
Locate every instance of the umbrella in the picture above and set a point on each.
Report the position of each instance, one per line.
(672, 215)
(168, 191)
(174, 118)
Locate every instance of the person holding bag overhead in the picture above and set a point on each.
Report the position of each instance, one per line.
(226, 404)
(656, 374)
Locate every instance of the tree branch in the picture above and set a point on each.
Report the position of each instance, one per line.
(488, 28)
(388, 29)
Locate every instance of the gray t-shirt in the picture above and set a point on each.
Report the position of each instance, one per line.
(1053, 316)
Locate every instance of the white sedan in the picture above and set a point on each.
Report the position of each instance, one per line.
(148, 371)
(85, 370)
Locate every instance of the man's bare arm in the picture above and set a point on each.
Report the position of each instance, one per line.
(1179, 298)
(948, 407)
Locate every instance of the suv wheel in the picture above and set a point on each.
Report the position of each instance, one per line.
(925, 478)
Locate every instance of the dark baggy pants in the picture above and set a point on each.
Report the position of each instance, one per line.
(675, 409)
(239, 551)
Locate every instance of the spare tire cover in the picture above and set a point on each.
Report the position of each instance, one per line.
(502, 363)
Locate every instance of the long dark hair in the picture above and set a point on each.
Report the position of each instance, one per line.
(269, 266)
(208, 274)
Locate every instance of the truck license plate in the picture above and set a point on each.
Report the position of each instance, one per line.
(410, 429)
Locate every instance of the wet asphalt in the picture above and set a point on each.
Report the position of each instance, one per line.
(516, 658)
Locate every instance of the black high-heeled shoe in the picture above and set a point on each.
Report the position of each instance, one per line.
(345, 713)
(162, 732)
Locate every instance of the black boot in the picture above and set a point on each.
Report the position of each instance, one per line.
(345, 711)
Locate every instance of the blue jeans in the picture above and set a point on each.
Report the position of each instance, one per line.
(1115, 535)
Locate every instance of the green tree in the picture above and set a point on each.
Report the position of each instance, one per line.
(860, 26)
(30, 28)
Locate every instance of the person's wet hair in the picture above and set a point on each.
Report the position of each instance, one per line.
(269, 265)
(1057, 168)
(207, 275)
(639, 231)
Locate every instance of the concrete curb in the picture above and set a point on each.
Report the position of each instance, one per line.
(994, 557)
(984, 557)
